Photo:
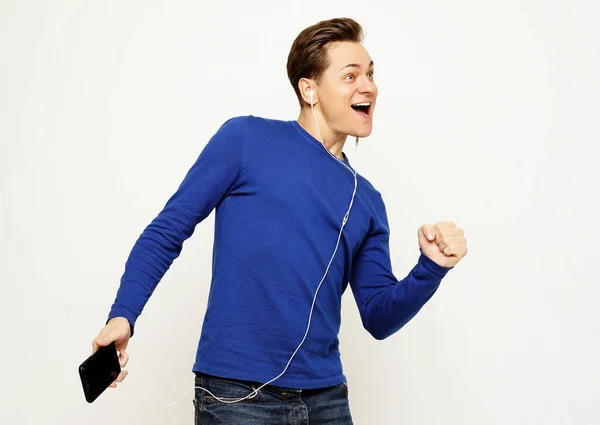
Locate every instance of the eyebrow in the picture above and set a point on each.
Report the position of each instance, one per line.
(355, 65)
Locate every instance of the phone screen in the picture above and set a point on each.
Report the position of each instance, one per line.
(99, 370)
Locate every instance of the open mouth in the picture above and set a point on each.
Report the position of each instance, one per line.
(362, 108)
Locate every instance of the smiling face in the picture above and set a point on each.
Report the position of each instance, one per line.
(347, 92)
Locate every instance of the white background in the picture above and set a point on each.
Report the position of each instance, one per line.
(488, 115)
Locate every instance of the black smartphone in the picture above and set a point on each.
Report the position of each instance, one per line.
(99, 370)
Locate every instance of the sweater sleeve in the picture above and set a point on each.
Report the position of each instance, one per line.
(386, 304)
(216, 172)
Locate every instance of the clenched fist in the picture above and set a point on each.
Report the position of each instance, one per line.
(443, 242)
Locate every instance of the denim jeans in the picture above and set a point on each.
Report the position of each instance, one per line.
(271, 406)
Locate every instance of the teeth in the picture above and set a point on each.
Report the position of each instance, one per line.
(362, 104)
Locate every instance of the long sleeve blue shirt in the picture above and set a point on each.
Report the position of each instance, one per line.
(279, 200)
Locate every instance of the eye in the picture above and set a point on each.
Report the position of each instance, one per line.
(371, 74)
(349, 75)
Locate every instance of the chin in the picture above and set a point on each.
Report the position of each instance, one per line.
(361, 129)
(354, 129)
(363, 132)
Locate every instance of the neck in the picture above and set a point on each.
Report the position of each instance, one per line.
(332, 141)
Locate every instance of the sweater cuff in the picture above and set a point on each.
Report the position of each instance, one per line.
(432, 266)
(121, 312)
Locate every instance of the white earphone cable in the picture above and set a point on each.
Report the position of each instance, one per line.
(344, 220)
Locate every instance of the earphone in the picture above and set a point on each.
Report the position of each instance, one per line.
(344, 221)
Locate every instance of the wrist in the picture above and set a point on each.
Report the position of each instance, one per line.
(122, 321)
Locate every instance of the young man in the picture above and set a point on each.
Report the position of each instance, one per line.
(294, 225)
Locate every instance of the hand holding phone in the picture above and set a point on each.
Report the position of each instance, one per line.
(99, 371)
(116, 334)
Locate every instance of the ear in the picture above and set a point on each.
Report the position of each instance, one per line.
(305, 85)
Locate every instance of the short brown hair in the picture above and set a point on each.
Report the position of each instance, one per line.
(308, 55)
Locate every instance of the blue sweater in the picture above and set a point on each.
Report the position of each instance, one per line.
(280, 198)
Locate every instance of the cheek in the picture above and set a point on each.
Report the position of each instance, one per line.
(338, 104)
(345, 99)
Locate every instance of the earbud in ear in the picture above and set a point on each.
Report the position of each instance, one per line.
(310, 94)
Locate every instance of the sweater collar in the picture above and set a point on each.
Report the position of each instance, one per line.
(313, 140)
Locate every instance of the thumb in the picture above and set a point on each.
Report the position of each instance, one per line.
(100, 341)
(427, 232)
(103, 339)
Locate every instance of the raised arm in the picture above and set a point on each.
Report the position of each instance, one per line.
(386, 304)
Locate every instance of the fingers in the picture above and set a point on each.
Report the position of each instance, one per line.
(448, 239)
(427, 231)
(123, 358)
(435, 231)
(458, 250)
(443, 237)
(120, 378)
(447, 234)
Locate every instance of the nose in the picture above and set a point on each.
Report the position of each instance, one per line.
(367, 86)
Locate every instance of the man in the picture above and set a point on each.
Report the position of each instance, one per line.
(294, 225)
